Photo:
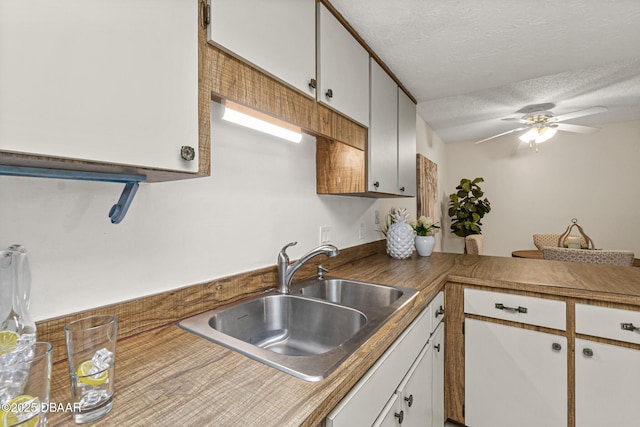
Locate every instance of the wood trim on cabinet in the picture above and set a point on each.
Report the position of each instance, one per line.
(454, 353)
(237, 81)
(339, 168)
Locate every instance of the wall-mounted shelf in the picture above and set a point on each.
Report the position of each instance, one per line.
(117, 212)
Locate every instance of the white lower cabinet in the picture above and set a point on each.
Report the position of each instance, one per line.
(437, 377)
(514, 376)
(607, 375)
(607, 385)
(405, 387)
(415, 391)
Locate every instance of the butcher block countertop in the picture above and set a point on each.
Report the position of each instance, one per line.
(167, 376)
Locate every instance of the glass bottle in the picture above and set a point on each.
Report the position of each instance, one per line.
(15, 284)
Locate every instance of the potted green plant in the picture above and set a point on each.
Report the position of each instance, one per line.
(467, 208)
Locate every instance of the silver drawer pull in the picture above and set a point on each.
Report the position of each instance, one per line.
(500, 306)
(629, 327)
(587, 352)
(439, 311)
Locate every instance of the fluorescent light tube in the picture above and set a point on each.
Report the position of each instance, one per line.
(244, 116)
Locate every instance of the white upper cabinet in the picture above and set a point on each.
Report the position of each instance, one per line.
(383, 132)
(406, 145)
(106, 81)
(276, 36)
(392, 136)
(343, 69)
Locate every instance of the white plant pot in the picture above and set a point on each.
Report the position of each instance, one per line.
(425, 244)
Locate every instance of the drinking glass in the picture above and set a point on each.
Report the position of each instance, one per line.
(25, 384)
(91, 351)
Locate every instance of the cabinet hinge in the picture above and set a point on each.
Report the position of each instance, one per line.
(463, 411)
(205, 11)
(462, 327)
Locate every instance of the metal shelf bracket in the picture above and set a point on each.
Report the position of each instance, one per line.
(117, 212)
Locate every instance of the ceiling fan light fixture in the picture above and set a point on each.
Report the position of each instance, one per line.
(530, 135)
(538, 134)
(545, 134)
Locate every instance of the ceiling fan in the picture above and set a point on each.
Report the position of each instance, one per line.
(540, 124)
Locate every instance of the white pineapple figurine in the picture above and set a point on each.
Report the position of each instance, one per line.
(400, 236)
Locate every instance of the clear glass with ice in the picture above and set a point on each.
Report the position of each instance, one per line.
(25, 384)
(91, 351)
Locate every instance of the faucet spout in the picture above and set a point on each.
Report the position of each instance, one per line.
(287, 270)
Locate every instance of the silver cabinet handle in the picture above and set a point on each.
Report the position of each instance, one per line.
(556, 347)
(437, 347)
(587, 352)
(439, 311)
(629, 327)
(409, 400)
(500, 306)
(399, 416)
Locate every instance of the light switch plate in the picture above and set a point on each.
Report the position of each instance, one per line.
(325, 234)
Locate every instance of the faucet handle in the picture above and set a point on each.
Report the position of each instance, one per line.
(321, 271)
(283, 252)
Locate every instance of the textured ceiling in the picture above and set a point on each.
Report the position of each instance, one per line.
(471, 63)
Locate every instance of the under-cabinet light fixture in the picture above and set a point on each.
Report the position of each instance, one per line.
(247, 117)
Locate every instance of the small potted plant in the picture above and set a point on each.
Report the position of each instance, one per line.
(425, 229)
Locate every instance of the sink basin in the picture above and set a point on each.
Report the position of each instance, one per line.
(349, 292)
(307, 333)
(288, 325)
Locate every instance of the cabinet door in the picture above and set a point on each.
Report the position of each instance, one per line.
(113, 82)
(607, 385)
(514, 376)
(416, 392)
(383, 132)
(343, 69)
(366, 399)
(277, 36)
(437, 377)
(392, 415)
(406, 145)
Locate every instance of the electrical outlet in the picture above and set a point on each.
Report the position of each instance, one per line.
(376, 217)
(325, 234)
(362, 231)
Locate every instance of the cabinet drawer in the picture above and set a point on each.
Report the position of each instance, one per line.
(437, 310)
(605, 322)
(517, 308)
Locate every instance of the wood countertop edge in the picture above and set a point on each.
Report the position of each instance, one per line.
(307, 404)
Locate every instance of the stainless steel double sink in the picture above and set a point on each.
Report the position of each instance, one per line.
(307, 333)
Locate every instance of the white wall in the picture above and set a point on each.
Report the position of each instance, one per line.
(593, 178)
(261, 195)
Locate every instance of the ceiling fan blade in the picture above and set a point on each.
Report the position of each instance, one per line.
(579, 113)
(575, 128)
(514, 119)
(501, 134)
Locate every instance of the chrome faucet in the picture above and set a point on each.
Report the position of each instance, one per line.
(286, 270)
